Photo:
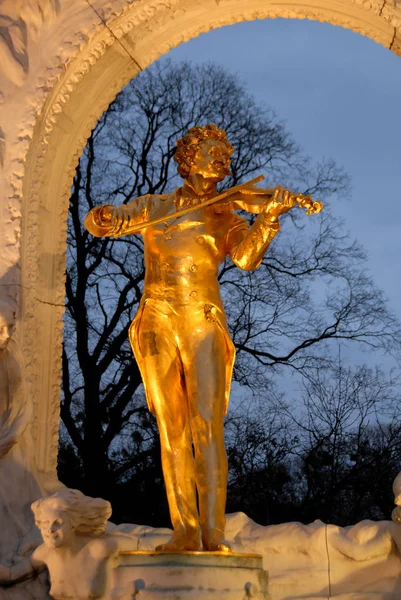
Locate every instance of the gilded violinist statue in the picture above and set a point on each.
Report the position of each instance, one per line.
(179, 335)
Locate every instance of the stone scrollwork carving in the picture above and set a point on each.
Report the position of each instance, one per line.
(19, 20)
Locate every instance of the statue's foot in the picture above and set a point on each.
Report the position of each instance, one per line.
(213, 541)
(181, 543)
(222, 546)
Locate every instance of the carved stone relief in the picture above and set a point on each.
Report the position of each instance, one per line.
(18, 484)
(19, 20)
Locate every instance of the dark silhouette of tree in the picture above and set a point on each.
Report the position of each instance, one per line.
(333, 456)
(348, 444)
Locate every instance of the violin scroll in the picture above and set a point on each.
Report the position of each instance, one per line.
(312, 207)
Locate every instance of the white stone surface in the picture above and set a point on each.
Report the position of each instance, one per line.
(312, 561)
(86, 559)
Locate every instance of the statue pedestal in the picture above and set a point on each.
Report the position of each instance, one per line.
(190, 576)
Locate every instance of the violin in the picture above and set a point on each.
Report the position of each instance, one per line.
(258, 204)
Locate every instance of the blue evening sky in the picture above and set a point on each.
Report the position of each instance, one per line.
(340, 96)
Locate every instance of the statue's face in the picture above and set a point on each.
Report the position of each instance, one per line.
(55, 527)
(6, 329)
(5, 334)
(211, 161)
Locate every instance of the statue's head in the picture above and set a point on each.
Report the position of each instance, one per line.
(67, 513)
(205, 151)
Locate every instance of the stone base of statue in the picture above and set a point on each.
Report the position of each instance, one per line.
(191, 576)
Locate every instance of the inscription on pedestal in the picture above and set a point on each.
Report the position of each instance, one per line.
(191, 576)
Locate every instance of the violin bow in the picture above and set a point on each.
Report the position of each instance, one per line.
(303, 202)
(185, 211)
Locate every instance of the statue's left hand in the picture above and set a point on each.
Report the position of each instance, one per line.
(282, 201)
(121, 217)
(255, 190)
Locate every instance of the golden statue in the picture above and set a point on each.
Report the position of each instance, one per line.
(179, 335)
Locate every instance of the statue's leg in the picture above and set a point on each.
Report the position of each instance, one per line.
(162, 371)
(204, 356)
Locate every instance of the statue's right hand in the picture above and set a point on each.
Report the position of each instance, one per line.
(106, 213)
(107, 220)
(120, 217)
(99, 220)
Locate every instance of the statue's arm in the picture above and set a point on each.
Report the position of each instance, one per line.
(113, 221)
(111, 544)
(247, 245)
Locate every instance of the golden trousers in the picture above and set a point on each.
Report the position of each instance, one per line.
(182, 355)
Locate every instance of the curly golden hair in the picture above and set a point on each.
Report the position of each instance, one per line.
(188, 146)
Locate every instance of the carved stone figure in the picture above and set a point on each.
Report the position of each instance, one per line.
(76, 549)
(18, 483)
(179, 336)
(15, 412)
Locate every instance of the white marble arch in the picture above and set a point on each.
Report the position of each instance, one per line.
(61, 63)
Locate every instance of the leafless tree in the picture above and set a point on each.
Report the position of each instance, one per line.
(332, 455)
(348, 446)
